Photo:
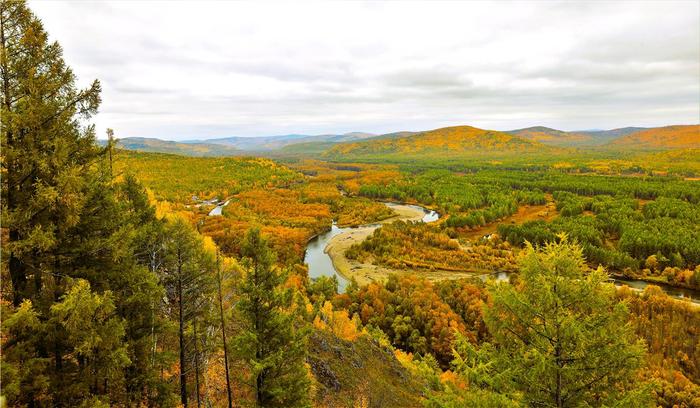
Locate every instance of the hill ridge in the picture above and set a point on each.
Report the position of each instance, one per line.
(451, 140)
(666, 137)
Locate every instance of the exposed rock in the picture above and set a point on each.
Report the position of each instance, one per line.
(323, 373)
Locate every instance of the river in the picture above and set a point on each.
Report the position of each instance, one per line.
(320, 263)
(673, 291)
(218, 209)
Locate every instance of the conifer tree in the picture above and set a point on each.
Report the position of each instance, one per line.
(66, 221)
(87, 323)
(222, 320)
(188, 280)
(47, 152)
(139, 297)
(561, 337)
(271, 342)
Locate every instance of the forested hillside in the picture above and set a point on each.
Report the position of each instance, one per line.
(469, 141)
(143, 144)
(582, 138)
(451, 141)
(175, 178)
(272, 143)
(554, 137)
(670, 137)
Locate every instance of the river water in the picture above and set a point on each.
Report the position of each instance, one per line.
(673, 291)
(320, 263)
(636, 285)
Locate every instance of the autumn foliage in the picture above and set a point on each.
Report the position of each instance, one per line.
(683, 137)
(414, 316)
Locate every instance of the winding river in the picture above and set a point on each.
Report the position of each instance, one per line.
(321, 264)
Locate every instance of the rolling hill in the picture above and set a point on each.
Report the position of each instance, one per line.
(305, 148)
(143, 144)
(604, 136)
(553, 136)
(451, 141)
(577, 138)
(267, 143)
(668, 137)
(237, 146)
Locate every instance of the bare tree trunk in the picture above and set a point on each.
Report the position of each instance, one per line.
(196, 364)
(110, 144)
(154, 339)
(223, 330)
(558, 355)
(183, 376)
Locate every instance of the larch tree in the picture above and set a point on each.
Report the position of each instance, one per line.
(188, 280)
(67, 221)
(222, 322)
(560, 335)
(47, 152)
(272, 341)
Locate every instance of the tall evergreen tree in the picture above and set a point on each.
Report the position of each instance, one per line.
(561, 337)
(66, 221)
(139, 297)
(47, 152)
(88, 326)
(220, 298)
(271, 340)
(188, 279)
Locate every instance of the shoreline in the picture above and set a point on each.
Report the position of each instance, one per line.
(366, 272)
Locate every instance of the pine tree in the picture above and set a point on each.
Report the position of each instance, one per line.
(94, 333)
(68, 221)
(139, 294)
(189, 284)
(46, 151)
(220, 299)
(561, 336)
(271, 341)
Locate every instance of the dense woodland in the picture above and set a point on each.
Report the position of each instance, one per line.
(637, 226)
(119, 290)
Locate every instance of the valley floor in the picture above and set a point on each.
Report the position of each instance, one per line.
(366, 272)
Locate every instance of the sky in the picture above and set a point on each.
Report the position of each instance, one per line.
(183, 70)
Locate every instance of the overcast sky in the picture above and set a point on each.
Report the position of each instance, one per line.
(195, 70)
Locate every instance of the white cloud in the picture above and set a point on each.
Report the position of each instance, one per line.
(184, 70)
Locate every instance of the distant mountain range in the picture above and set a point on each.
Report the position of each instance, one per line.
(144, 144)
(265, 143)
(451, 140)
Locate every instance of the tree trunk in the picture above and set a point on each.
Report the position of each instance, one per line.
(258, 392)
(257, 325)
(557, 356)
(196, 365)
(16, 266)
(183, 376)
(110, 144)
(17, 270)
(223, 330)
(558, 351)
